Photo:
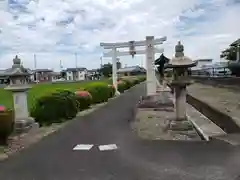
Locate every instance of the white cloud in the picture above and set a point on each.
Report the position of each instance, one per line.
(205, 27)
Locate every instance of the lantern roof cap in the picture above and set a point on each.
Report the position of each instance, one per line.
(180, 60)
(17, 69)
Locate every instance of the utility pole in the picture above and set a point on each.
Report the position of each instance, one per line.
(60, 64)
(76, 60)
(35, 67)
(35, 62)
(101, 62)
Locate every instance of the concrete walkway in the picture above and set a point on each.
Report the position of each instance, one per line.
(53, 158)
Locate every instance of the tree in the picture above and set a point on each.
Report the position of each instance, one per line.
(229, 53)
(106, 70)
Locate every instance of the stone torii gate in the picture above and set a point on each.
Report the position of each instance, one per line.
(150, 57)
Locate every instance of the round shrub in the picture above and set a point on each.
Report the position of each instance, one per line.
(6, 125)
(100, 92)
(84, 99)
(2, 108)
(55, 107)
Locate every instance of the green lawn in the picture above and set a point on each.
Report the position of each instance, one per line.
(39, 90)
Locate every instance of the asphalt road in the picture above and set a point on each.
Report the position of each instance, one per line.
(53, 158)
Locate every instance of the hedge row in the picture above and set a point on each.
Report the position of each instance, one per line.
(6, 125)
(63, 105)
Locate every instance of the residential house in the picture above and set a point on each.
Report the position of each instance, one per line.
(42, 75)
(75, 74)
(131, 71)
(202, 63)
(56, 76)
(93, 74)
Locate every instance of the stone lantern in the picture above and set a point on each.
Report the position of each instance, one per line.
(180, 65)
(18, 77)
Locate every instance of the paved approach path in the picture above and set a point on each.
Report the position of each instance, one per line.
(135, 159)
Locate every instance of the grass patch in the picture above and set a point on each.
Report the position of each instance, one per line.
(39, 90)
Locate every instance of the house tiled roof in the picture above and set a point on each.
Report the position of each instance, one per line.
(56, 73)
(131, 69)
(43, 70)
(76, 69)
(2, 71)
(93, 70)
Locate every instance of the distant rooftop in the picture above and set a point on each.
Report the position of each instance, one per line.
(76, 69)
(93, 70)
(2, 71)
(131, 69)
(204, 60)
(42, 70)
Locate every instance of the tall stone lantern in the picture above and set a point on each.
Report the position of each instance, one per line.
(18, 77)
(180, 65)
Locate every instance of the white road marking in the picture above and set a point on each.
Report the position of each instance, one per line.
(108, 147)
(83, 147)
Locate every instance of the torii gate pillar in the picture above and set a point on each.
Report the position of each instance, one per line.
(151, 80)
(114, 69)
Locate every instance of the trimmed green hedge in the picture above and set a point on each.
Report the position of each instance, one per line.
(63, 105)
(100, 92)
(6, 125)
(55, 107)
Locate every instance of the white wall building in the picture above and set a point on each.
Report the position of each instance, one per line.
(202, 63)
(76, 74)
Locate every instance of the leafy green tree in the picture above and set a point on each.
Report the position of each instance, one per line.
(106, 70)
(229, 53)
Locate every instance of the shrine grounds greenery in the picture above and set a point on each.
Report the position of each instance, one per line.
(39, 90)
(56, 103)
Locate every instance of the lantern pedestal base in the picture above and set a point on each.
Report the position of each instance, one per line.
(23, 125)
(181, 125)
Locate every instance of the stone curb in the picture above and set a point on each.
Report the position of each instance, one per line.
(203, 125)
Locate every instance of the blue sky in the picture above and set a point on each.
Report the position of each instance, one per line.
(56, 30)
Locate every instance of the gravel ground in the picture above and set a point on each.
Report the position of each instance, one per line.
(154, 125)
(225, 99)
